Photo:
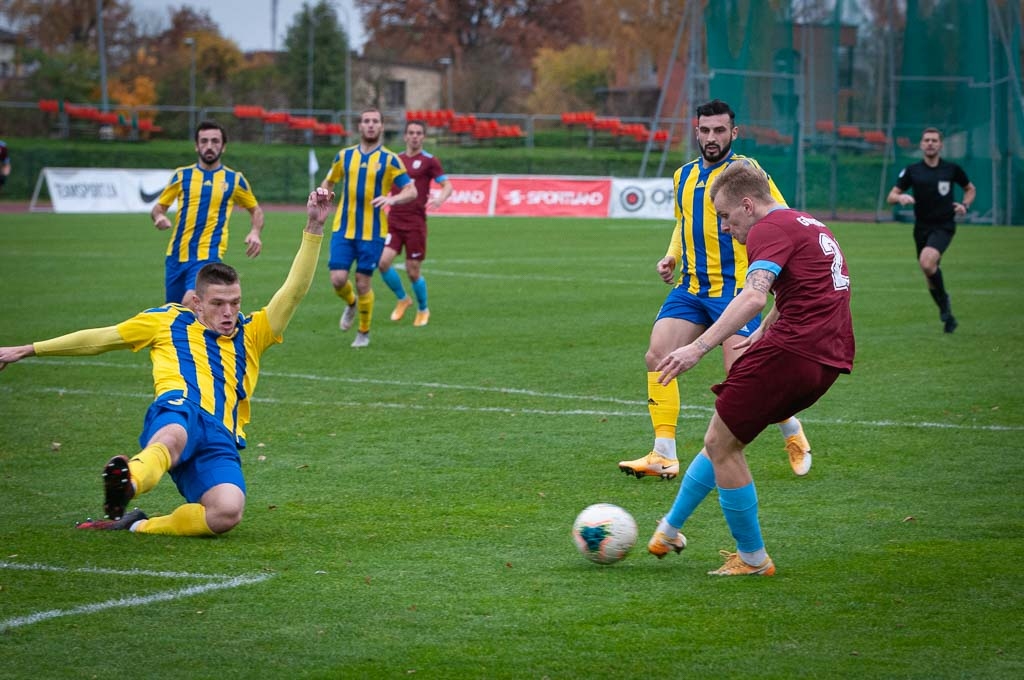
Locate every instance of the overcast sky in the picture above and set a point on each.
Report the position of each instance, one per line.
(247, 22)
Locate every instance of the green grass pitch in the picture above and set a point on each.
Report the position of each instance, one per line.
(410, 504)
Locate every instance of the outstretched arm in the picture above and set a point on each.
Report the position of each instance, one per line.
(80, 343)
(282, 306)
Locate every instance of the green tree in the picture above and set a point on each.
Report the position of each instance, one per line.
(71, 74)
(492, 42)
(329, 45)
(567, 79)
(64, 39)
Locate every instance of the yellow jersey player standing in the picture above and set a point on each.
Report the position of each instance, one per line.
(367, 171)
(713, 268)
(206, 361)
(206, 193)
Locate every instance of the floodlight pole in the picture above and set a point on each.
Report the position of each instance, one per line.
(191, 42)
(447, 63)
(102, 46)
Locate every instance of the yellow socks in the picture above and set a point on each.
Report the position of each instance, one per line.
(663, 404)
(346, 293)
(365, 312)
(186, 520)
(148, 466)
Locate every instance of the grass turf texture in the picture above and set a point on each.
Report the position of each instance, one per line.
(414, 502)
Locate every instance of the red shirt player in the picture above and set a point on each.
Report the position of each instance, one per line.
(804, 343)
(407, 224)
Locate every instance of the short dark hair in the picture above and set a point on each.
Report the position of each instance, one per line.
(211, 125)
(416, 122)
(716, 107)
(932, 129)
(215, 273)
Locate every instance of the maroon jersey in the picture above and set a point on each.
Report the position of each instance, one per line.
(812, 288)
(422, 168)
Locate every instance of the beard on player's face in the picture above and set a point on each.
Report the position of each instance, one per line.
(713, 153)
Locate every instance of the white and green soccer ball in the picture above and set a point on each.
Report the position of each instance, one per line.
(604, 533)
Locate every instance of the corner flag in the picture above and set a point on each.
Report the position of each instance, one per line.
(314, 167)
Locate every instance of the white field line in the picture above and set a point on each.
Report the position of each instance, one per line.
(639, 407)
(214, 582)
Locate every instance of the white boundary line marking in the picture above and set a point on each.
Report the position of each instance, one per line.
(215, 582)
(695, 412)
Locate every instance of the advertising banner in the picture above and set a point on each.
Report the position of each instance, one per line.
(471, 195)
(646, 198)
(104, 190)
(552, 197)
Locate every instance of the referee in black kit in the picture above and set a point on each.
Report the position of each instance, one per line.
(931, 179)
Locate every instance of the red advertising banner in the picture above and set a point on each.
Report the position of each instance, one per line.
(552, 197)
(471, 195)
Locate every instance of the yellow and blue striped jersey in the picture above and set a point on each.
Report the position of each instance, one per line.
(205, 199)
(711, 263)
(214, 371)
(363, 177)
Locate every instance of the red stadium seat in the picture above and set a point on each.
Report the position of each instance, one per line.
(876, 137)
(246, 111)
(302, 123)
(850, 132)
(275, 117)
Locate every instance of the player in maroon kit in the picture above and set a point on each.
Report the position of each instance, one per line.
(407, 224)
(802, 346)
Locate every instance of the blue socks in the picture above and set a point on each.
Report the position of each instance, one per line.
(697, 483)
(740, 509)
(394, 282)
(419, 289)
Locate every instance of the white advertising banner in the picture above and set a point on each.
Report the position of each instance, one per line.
(646, 198)
(104, 190)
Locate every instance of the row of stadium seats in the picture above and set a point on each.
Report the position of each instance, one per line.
(94, 115)
(853, 133)
(614, 126)
(467, 126)
(243, 111)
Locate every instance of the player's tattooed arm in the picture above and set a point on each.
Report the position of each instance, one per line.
(761, 280)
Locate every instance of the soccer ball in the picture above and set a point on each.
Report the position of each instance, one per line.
(604, 533)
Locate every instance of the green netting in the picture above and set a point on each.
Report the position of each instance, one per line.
(832, 97)
(955, 75)
(751, 65)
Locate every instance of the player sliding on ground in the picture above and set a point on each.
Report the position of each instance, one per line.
(206, 361)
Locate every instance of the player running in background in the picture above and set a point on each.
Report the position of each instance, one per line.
(407, 224)
(206, 361)
(789, 362)
(206, 192)
(366, 171)
(935, 212)
(713, 268)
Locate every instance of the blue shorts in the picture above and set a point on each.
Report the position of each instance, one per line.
(180, 277)
(210, 456)
(703, 311)
(345, 251)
